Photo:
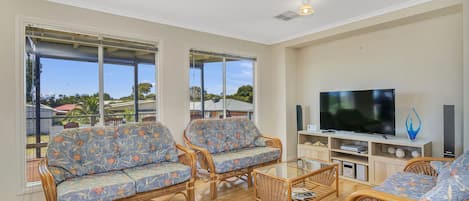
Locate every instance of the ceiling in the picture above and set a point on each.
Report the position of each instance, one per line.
(251, 20)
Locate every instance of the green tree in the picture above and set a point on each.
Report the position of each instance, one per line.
(244, 93)
(89, 107)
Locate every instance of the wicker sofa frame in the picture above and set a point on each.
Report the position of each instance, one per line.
(417, 166)
(187, 188)
(205, 160)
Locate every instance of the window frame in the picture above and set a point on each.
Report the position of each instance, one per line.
(22, 23)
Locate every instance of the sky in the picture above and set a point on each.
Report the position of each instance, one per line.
(75, 77)
(238, 73)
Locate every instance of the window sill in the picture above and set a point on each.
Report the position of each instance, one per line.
(30, 188)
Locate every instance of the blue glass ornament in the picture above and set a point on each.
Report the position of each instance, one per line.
(409, 125)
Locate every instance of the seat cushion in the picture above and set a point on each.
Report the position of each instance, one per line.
(99, 187)
(406, 184)
(156, 176)
(235, 160)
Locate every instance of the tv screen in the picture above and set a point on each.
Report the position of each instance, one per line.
(366, 111)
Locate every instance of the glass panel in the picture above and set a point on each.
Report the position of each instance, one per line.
(294, 169)
(147, 86)
(239, 88)
(119, 94)
(206, 73)
(120, 66)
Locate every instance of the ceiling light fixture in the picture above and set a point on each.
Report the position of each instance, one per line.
(306, 8)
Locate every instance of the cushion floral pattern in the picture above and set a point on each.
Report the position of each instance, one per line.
(235, 160)
(86, 151)
(144, 144)
(442, 168)
(222, 135)
(99, 187)
(453, 182)
(156, 176)
(406, 184)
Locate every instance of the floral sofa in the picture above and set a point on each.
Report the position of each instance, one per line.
(230, 148)
(136, 161)
(424, 179)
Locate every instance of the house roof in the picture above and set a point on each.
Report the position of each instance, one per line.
(210, 105)
(66, 107)
(231, 105)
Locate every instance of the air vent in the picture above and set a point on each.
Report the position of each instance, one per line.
(287, 16)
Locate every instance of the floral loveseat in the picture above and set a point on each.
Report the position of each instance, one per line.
(132, 162)
(230, 147)
(424, 179)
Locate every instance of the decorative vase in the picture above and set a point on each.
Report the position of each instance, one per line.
(400, 153)
(391, 150)
(409, 125)
(415, 154)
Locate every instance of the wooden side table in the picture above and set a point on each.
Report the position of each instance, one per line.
(275, 182)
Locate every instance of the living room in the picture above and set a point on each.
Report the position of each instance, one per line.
(420, 49)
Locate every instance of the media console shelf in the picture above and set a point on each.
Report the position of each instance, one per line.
(376, 161)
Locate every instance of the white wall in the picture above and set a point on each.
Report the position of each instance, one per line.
(420, 57)
(466, 73)
(174, 79)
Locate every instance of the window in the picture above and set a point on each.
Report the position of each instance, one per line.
(221, 86)
(74, 80)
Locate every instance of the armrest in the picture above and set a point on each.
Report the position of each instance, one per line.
(422, 165)
(206, 160)
(370, 194)
(274, 142)
(188, 158)
(48, 182)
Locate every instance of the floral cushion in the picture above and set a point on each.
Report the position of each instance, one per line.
(97, 187)
(235, 160)
(156, 176)
(222, 135)
(442, 168)
(453, 182)
(141, 144)
(85, 151)
(406, 184)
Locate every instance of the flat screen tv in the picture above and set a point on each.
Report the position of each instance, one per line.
(364, 111)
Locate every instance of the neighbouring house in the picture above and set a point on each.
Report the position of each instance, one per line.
(47, 114)
(214, 109)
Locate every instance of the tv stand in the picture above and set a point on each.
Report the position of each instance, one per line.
(377, 162)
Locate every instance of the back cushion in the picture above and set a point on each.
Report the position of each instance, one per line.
(222, 135)
(83, 151)
(145, 143)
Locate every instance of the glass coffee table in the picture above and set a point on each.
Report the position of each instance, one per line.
(302, 178)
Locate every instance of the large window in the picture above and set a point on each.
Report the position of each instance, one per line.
(75, 80)
(221, 86)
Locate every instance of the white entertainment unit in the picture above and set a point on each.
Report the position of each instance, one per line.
(371, 166)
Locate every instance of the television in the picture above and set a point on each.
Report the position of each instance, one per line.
(364, 111)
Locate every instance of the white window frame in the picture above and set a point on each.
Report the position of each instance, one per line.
(22, 23)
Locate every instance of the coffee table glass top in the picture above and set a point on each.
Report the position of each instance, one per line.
(294, 169)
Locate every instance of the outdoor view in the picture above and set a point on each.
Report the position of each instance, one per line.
(62, 91)
(207, 75)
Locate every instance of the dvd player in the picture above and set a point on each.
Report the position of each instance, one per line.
(353, 147)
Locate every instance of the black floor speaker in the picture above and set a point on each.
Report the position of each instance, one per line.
(448, 128)
(299, 118)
